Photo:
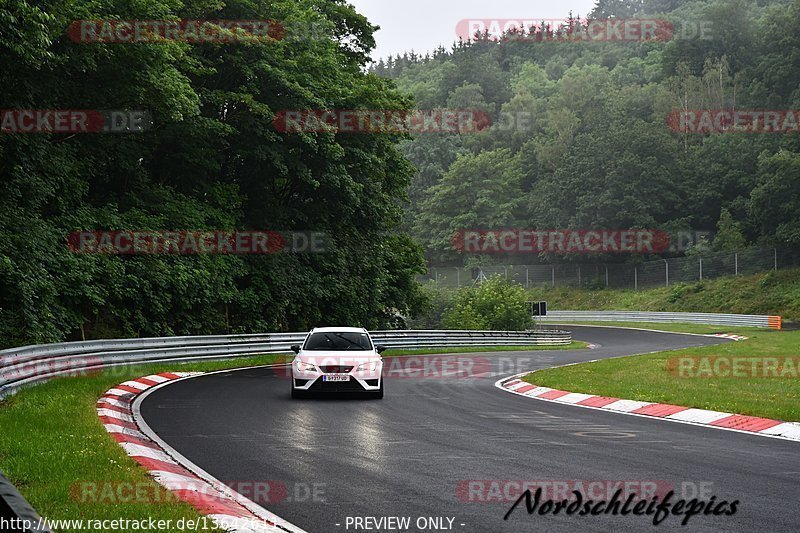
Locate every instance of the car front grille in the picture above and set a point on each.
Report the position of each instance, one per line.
(336, 386)
(336, 369)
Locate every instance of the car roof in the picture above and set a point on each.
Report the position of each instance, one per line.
(338, 330)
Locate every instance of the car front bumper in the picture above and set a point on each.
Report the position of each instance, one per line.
(316, 383)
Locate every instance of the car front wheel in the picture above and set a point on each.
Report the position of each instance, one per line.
(379, 394)
(298, 393)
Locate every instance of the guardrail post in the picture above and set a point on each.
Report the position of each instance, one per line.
(775, 322)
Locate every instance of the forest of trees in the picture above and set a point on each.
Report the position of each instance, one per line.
(598, 152)
(212, 160)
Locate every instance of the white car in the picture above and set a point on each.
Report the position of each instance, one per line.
(337, 360)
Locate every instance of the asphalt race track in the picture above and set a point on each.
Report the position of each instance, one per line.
(408, 454)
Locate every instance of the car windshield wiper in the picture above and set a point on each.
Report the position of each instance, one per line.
(351, 342)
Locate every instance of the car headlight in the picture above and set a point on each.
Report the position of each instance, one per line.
(368, 367)
(306, 367)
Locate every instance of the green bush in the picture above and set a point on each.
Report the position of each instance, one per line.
(495, 304)
(676, 292)
(436, 301)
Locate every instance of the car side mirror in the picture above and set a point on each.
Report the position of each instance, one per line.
(296, 348)
(380, 348)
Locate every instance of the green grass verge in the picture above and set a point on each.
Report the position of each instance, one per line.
(675, 327)
(772, 293)
(646, 378)
(51, 439)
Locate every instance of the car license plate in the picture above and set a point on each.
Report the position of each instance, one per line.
(336, 377)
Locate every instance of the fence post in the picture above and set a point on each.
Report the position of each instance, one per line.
(635, 278)
(579, 276)
(553, 269)
(701, 269)
(458, 277)
(436, 273)
(527, 278)
(666, 264)
(736, 262)
(776, 259)
(606, 276)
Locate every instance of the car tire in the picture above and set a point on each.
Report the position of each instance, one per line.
(297, 394)
(378, 395)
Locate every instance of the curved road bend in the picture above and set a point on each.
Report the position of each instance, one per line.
(408, 454)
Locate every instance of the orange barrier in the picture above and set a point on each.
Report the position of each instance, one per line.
(775, 322)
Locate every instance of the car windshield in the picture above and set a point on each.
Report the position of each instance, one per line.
(335, 340)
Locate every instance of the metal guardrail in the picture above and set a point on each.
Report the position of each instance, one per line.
(756, 321)
(429, 339)
(27, 365)
(16, 514)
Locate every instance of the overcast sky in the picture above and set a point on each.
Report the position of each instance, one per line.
(423, 25)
